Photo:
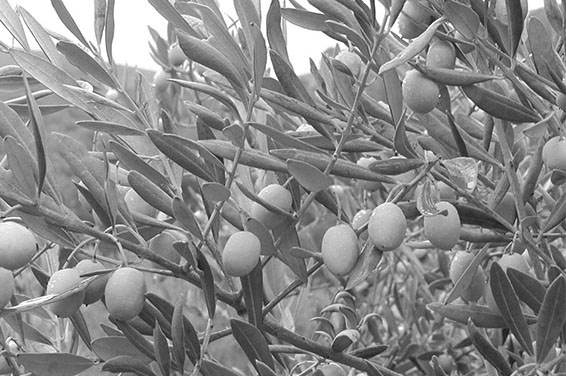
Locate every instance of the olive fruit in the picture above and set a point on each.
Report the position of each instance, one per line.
(276, 195)
(8, 287)
(441, 54)
(443, 229)
(477, 286)
(387, 226)
(413, 19)
(124, 294)
(241, 253)
(340, 249)
(95, 289)
(554, 153)
(421, 94)
(17, 245)
(62, 281)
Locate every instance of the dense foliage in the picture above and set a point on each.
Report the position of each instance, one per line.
(400, 211)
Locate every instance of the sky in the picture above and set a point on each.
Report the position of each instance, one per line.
(132, 36)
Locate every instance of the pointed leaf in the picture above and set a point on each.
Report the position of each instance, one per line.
(394, 95)
(168, 11)
(500, 106)
(208, 157)
(263, 369)
(351, 34)
(215, 192)
(109, 347)
(23, 167)
(460, 143)
(235, 134)
(289, 239)
(508, 304)
(131, 161)
(290, 82)
(42, 38)
(150, 192)
(464, 19)
(50, 76)
(68, 20)
(401, 142)
(252, 341)
(557, 214)
(9, 18)
(283, 138)
(310, 177)
(210, 118)
(305, 19)
(79, 322)
(528, 288)
(161, 349)
(54, 364)
(341, 168)
(264, 236)
(127, 364)
(191, 338)
(467, 276)
(180, 154)
(247, 14)
(275, 36)
(296, 106)
(216, 369)
(453, 77)
(207, 283)
(203, 53)
(99, 19)
(29, 332)
(414, 48)
(249, 157)
(481, 316)
(178, 331)
(252, 287)
(223, 40)
(38, 129)
(109, 33)
(259, 55)
(212, 91)
(365, 266)
(110, 128)
(554, 15)
(552, 317)
(516, 19)
(395, 166)
(488, 351)
(86, 63)
(135, 337)
(184, 215)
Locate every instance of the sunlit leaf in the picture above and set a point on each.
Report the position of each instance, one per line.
(11, 21)
(414, 48)
(464, 171)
